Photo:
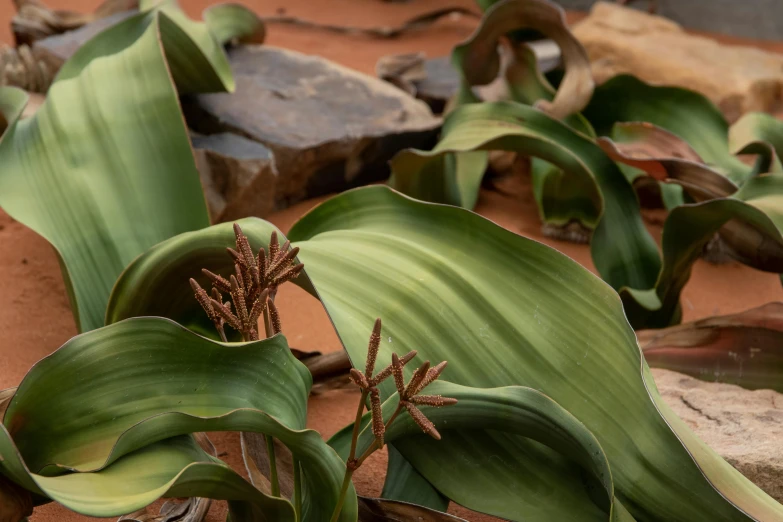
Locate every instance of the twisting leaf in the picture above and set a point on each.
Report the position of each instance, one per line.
(685, 113)
(504, 311)
(479, 62)
(623, 251)
(455, 178)
(117, 405)
(758, 133)
(663, 155)
(229, 22)
(85, 171)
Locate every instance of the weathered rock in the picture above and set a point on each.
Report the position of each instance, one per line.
(328, 126)
(623, 40)
(238, 176)
(55, 50)
(744, 427)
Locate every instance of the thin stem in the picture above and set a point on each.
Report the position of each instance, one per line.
(343, 490)
(270, 450)
(357, 424)
(349, 463)
(297, 490)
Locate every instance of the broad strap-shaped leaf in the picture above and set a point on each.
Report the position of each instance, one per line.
(111, 395)
(504, 311)
(682, 112)
(513, 410)
(406, 484)
(104, 170)
(742, 349)
(758, 207)
(623, 251)
(749, 220)
(157, 282)
(561, 198)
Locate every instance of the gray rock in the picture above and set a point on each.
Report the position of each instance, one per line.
(55, 50)
(238, 176)
(745, 427)
(328, 126)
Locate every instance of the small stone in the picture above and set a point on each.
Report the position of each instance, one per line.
(55, 50)
(329, 127)
(744, 427)
(238, 176)
(620, 40)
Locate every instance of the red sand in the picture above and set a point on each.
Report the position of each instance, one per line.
(36, 319)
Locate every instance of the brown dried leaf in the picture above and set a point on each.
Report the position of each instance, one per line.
(255, 456)
(744, 349)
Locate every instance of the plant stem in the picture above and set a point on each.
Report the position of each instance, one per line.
(270, 450)
(297, 490)
(348, 471)
(357, 424)
(343, 490)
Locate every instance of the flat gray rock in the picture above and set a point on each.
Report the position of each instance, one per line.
(745, 427)
(238, 176)
(328, 126)
(55, 50)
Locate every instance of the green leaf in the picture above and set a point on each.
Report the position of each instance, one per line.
(749, 220)
(157, 283)
(623, 251)
(406, 484)
(685, 113)
(104, 170)
(504, 311)
(742, 349)
(227, 22)
(759, 133)
(511, 410)
(455, 178)
(111, 395)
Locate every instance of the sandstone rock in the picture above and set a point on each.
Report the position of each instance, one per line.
(744, 427)
(238, 176)
(55, 50)
(328, 126)
(738, 79)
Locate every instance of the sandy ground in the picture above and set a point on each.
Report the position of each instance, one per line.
(36, 318)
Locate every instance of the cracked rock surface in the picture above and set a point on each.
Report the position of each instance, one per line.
(745, 427)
